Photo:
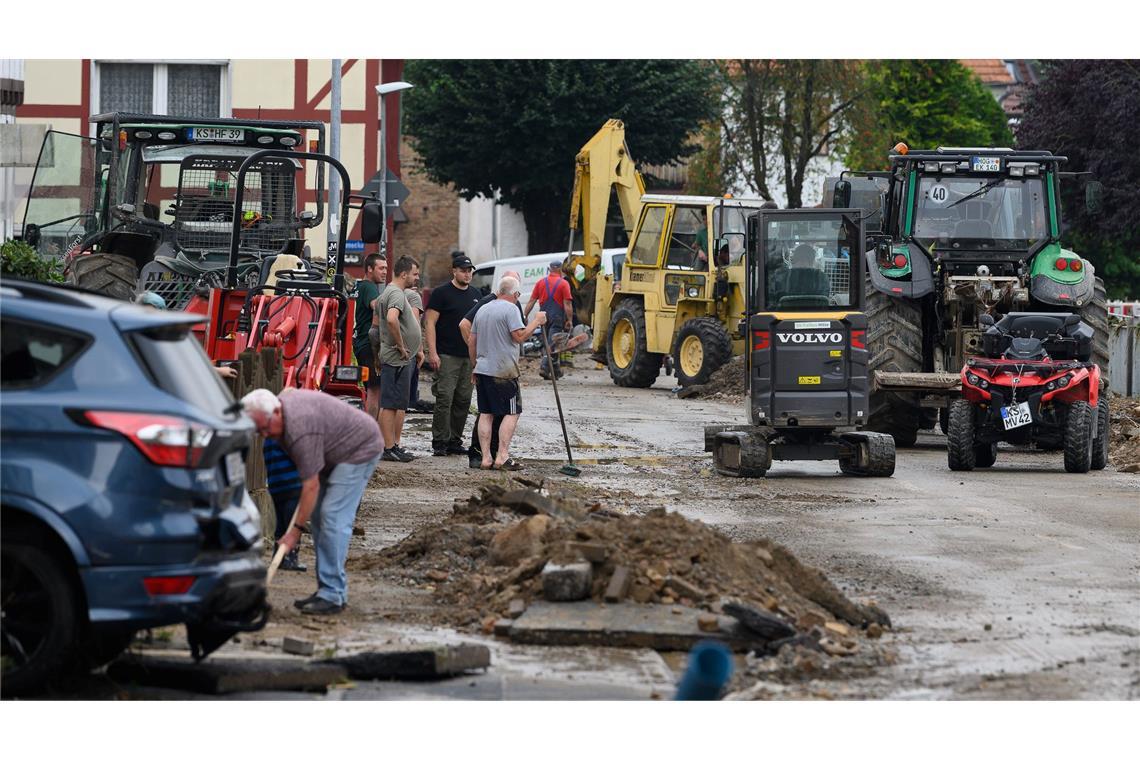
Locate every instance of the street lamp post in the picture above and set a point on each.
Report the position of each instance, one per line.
(382, 90)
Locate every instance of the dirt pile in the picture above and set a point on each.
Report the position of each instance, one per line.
(492, 548)
(1124, 440)
(726, 384)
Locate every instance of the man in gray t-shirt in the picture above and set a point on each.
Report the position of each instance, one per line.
(497, 333)
(400, 353)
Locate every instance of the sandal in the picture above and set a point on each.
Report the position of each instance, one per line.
(511, 465)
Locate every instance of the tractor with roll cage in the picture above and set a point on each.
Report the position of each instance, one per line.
(233, 249)
(956, 234)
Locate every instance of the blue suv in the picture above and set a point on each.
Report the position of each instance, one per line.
(122, 468)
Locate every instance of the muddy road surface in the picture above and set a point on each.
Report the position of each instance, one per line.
(1018, 582)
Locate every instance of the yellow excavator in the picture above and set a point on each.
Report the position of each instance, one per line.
(677, 296)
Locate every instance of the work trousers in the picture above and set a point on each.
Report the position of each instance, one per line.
(452, 390)
(331, 525)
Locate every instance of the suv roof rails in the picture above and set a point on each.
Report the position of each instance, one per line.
(60, 294)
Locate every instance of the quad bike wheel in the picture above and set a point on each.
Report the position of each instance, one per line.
(630, 363)
(702, 347)
(985, 454)
(40, 623)
(1100, 440)
(1079, 437)
(961, 452)
(111, 274)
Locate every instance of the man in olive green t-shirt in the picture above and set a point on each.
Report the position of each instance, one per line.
(401, 352)
(368, 290)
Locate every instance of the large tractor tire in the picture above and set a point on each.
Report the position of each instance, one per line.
(631, 365)
(961, 451)
(894, 340)
(702, 347)
(111, 274)
(1095, 315)
(1079, 437)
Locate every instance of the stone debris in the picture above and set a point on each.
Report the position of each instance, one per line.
(514, 544)
(1124, 436)
(725, 384)
(303, 647)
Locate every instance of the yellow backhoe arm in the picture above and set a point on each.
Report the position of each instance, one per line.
(602, 166)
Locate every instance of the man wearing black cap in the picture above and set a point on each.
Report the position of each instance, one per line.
(447, 354)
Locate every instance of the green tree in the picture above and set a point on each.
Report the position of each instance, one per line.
(781, 114)
(1088, 112)
(18, 259)
(516, 125)
(924, 103)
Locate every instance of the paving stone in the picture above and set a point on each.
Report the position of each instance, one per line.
(226, 676)
(683, 588)
(419, 663)
(590, 551)
(516, 608)
(303, 647)
(619, 585)
(566, 583)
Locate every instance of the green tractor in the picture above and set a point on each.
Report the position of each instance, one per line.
(955, 234)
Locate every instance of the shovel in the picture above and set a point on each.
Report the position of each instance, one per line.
(280, 553)
(568, 468)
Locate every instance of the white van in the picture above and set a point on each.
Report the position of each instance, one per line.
(534, 268)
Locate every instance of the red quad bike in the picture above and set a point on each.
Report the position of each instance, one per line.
(1035, 383)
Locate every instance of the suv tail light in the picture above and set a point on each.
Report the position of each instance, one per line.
(168, 585)
(164, 440)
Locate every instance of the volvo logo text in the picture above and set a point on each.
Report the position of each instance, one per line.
(810, 337)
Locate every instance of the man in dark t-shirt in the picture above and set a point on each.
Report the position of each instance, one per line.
(367, 291)
(447, 355)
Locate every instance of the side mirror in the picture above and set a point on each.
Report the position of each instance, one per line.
(307, 218)
(371, 222)
(1094, 198)
(986, 320)
(842, 198)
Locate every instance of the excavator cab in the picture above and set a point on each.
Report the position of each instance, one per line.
(807, 378)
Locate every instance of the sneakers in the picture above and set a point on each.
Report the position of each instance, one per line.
(319, 606)
(300, 603)
(292, 562)
(456, 448)
(407, 455)
(396, 454)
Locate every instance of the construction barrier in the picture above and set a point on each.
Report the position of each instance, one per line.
(1124, 354)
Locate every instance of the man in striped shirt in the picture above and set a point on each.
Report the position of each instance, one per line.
(285, 489)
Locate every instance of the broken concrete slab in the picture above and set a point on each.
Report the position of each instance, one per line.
(589, 550)
(619, 584)
(683, 588)
(762, 624)
(516, 608)
(429, 662)
(566, 583)
(225, 675)
(626, 625)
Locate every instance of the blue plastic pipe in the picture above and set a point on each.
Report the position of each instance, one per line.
(710, 667)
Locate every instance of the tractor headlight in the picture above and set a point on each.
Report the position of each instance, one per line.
(694, 292)
(348, 373)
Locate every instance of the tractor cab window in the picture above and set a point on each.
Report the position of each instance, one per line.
(1003, 213)
(808, 263)
(66, 196)
(649, 237)
(688, 240)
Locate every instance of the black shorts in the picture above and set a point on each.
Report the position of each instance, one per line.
(364, 359)
(395, 385)
(498, 395)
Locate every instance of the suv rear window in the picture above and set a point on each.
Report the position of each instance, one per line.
(180, 367)
(32, 354)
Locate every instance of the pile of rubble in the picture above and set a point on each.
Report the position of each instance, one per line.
(513, 544)
(1124, 441)
(726, 384)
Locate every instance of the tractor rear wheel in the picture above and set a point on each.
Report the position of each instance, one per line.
(702, 347)
(960, 448)
(1095, 315)
(111, 274)
(878, 457)
(1100, 441)
(631, 365)
(894, 344)
(1079, 437)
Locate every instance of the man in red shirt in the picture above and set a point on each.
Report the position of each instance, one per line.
(552, 294)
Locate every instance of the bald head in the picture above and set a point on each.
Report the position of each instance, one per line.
(508, 287)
